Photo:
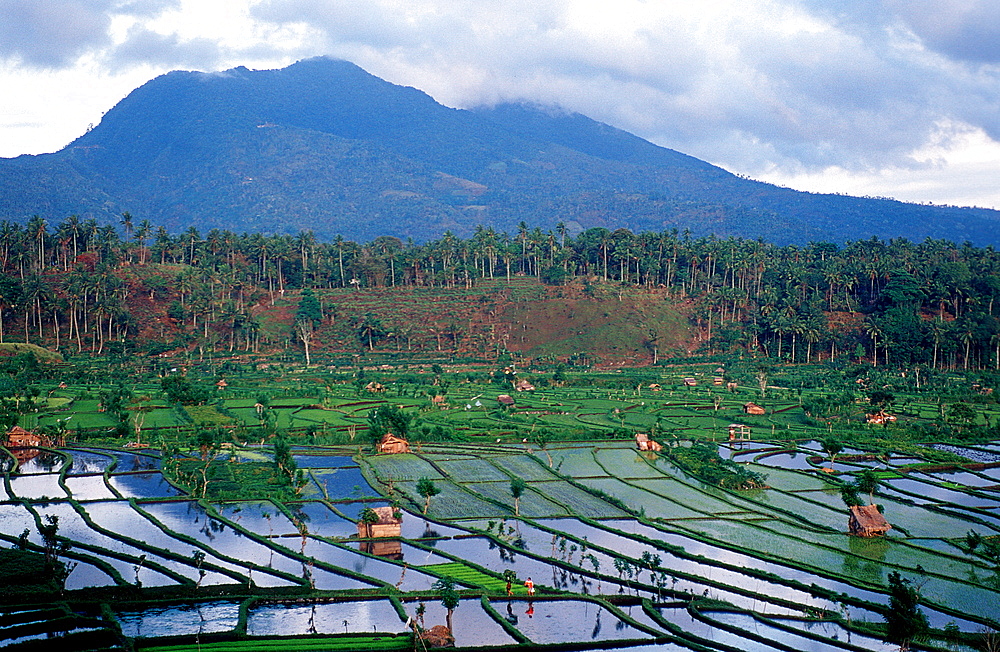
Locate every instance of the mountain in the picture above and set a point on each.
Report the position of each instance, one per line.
(324, 145)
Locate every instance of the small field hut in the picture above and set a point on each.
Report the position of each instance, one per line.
(387, 524)
(505, 400)
(375, 387)
(644, 443)
(738, 430)
(753, 408)
(867, 521)
(390, 443)
(524, 386)
(690, 382)
(19, 437)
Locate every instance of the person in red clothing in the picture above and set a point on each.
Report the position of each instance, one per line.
(531, 586)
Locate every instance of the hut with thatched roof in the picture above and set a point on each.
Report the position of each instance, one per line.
(375, 387)
(867, 521)
(390, 443)
(753, 408)
(18, 437)
(523, 385)
(506, 400)
(690, 382)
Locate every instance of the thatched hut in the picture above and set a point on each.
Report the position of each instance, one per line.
(375, 387)
(524, 386)
(390, 443)
(753, 408)
(867, 521)
(718, 380)
(644, 443)
(19, 437)
(690, 382)
(506, 400)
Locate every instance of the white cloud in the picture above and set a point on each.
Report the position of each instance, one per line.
(805, 92)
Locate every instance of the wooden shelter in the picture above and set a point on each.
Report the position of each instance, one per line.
(439, 400)
(655, 387)
(375, 387)
(222, 384)
(387, 525)
(390, 443)
(718, 380)
(524, 386)
(644, 443)
(21, 438)
(753, 408)
(738, 430)
(731, 386)
(881, 418)
(505, 400)
(690, 382)
(867, 521)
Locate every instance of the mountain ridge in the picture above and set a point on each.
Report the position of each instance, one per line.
(324, 145)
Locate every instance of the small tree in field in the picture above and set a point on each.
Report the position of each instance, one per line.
(832, 447)
(427, 488)
(449, 597)
(517, 487)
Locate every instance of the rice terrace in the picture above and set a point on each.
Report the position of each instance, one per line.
(712, 505)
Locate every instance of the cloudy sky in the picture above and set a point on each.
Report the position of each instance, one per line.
(893, 98)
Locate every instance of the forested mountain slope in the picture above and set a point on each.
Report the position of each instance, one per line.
(323, 145)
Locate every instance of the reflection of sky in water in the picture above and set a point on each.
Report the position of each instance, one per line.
(837, 633)
(87, 461)
(85, 576)
(568, 621)
(795, 641)
(195, 618)
(322, 521)
(143, 485)
(966, 478)
(45, 462)
(363, 616)
(37, 486)
(343, 484)
(89, 487)
(264, 519)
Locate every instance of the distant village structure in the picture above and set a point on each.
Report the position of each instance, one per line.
(753, 408)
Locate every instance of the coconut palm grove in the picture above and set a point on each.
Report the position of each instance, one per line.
(558, 439)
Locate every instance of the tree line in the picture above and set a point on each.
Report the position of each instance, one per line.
(77, 284)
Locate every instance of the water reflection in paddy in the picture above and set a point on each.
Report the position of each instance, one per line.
(89, 487)
(43, 462)
(87, 461)
(343, 484)
(680, 617)
(143, 485)
(322, 521)
(568, 621)
(197, 618)
(37, 486)
(362, 616)
(85, 576)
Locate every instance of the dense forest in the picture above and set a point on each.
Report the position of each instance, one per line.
(80, 287)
